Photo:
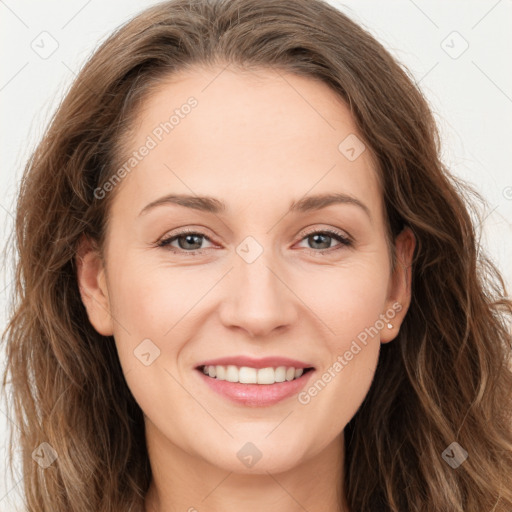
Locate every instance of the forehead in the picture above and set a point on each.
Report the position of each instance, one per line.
(247, 137)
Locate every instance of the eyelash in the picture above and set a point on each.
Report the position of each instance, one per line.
(344, 242)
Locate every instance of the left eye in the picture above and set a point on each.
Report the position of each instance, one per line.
(190, 242)
(324, 238)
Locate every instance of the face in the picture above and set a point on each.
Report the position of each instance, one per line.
(270, 266)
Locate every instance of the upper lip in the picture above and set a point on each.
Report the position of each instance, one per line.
(252, 362)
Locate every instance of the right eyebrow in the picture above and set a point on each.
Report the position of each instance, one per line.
(203, 203)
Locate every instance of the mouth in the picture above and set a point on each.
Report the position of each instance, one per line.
(254, 387)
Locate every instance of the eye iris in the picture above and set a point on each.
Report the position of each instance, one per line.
(315, 238)
(188, 239)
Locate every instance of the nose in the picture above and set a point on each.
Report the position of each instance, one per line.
(257, 298)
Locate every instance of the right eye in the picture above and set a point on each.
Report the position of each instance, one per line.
(187, 242)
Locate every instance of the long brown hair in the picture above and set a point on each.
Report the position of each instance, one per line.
(446, 378)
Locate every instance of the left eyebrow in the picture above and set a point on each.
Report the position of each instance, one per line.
(213, 205)
(323, 200)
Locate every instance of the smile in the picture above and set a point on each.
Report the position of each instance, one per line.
(273, 386)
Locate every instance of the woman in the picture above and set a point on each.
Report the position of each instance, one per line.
(247, 280)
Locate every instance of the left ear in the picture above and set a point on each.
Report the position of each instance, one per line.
(399, 290)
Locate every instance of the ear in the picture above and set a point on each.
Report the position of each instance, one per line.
(93, 286)
(399, 290)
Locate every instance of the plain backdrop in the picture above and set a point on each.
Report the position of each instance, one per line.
(457, 51)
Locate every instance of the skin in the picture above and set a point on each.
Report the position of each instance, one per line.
(256, 141)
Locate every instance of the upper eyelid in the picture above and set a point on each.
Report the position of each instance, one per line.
(340, 232)
(304, 233)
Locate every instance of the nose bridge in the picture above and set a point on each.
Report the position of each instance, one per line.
(257, 283)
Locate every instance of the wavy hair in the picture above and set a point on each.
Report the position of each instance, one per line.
(445, 378)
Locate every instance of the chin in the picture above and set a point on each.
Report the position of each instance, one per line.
(259, 458)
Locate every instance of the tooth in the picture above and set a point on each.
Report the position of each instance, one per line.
(280, 374)
(232, 373)
(266, 376)
(290, 373)
(247, 375)
(221, 372)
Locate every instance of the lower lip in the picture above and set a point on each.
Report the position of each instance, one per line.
(256, 395)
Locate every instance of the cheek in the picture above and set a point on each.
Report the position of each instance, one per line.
(347, 299)
(145, 306)
(349, 304)
(149, 301)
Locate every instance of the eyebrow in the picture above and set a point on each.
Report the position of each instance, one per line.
(213, 205)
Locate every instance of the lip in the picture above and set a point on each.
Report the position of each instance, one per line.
(256, 395)
(265, 362)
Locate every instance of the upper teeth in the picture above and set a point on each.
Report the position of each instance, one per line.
(247, 375)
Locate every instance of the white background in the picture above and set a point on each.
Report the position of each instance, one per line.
(471, 96)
